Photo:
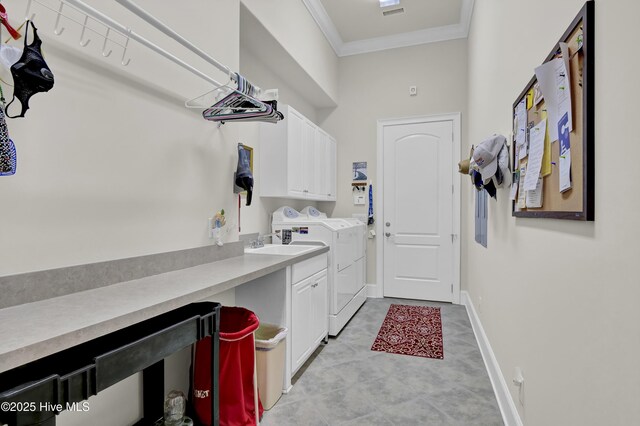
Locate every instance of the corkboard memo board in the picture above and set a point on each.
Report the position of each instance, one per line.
(578, 202)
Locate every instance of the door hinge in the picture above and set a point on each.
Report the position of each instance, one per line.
(453, 190)
(451, 288)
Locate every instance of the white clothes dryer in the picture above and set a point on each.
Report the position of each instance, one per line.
(346, 268)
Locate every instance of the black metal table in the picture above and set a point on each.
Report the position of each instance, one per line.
(36, 392)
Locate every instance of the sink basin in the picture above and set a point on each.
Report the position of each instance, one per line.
(280, 249)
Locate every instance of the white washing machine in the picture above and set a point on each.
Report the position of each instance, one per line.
(346, 268)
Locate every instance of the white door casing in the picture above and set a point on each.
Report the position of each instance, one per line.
(418, 208)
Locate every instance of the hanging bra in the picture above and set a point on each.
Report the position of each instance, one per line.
(31, 74)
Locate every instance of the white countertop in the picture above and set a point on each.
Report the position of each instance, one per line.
(35, 330)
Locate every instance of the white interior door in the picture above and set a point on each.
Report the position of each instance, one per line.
(418, 210)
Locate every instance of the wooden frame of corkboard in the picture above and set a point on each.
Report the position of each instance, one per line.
(577, 203)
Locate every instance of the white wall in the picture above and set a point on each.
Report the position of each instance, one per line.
(110, 162)
(257, 217)
(559, 298)
(290, 23)
(376, 86)
(112, 165)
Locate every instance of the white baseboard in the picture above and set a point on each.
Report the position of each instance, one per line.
(508, 408)
(372, 291)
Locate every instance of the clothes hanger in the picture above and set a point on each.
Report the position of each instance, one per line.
(200, 101)
(242, 105)
(4, 20)
(239, 104)
(232, 104)
(237, 107)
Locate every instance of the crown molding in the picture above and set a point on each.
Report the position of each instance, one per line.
(430, 35)
(328, 28)
(466, 12)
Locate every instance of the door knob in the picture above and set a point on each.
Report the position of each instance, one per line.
(388, 223)
(388, 234)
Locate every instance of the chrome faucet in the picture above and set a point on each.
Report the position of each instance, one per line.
(257, 243)
(260, 241)
(273, 234)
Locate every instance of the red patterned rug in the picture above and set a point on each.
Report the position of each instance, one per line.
(411, 330)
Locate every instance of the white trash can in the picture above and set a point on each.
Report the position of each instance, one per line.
(270, 352)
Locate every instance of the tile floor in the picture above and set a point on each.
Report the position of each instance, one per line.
(345, 383)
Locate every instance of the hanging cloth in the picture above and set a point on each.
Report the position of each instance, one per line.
(8, 155)
(31, 74)
(244, 177)
(370, 220)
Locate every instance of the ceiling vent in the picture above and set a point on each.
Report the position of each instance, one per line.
(393, 11)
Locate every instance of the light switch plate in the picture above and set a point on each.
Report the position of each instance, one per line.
(359, 199)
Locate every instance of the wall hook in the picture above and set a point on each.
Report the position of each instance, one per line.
(26, 13)
(83, 42)
(58, 30)
(126, 45)
(104, 45)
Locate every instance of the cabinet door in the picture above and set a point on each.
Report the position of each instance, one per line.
(320, 307)
(321, 161)
(295, 155)
(332, 168)
(302, 330)
(309, 164)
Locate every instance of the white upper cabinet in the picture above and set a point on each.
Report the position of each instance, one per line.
(332, 168)
(294, 157)
(297, 159)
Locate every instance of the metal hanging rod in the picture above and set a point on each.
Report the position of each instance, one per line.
(106, 20)
(58, 30)
(164, 28)
(124, 31)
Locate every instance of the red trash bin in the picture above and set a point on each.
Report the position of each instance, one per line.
(237, 379)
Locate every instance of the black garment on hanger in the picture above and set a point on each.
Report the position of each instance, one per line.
(31, 74)
(244, 177)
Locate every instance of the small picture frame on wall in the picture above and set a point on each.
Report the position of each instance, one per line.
(360, 171)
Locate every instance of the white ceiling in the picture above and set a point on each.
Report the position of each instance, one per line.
(358, 26)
